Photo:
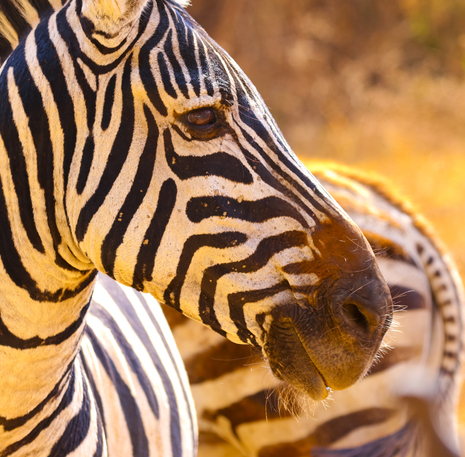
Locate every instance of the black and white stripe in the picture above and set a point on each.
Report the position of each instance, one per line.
(240, 406)
(104, 166)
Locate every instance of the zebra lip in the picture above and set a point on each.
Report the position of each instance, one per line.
(324, 392)
(296, 367)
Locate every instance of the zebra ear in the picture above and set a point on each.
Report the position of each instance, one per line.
(110, 16)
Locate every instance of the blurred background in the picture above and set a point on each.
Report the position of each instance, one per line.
(375, 84)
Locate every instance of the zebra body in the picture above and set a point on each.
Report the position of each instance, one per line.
(236, 397)
(132, 144)
(139, 378)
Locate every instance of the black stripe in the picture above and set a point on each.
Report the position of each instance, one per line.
(187, 46)
(95, 392)
(42, 7)
(238, 300)
(86, 163)
(396, 444)
(45, 423)
(245, 93)
(49, 62)
(177, 70)
(145, 68)
(165, 76)
(90, 100)
(221, 359)
(99, 446)
(16, 271)
(406, 299)
(277, 167)
(11, 258)
(262, 406)
(265, 250)
(206, 76)
(16, 154)
(116, 159)
(125, 306)
(70, 38)
(191, 246)
(168, 349)
(5, 48)
(77, 429)
(200, 208)
(393, 358)
(152, 239)
(10, 424)
(38, 122)
(89, 29)
(335, 429)
(33, 106)
(108, 103)
(183, 136)
(299, 268)
(272, 180)
(132, 359)
(128, 403)
(220, 74)
(8, 339)
(15, 18)
(218, 164)
(248, 91)
(134, 198)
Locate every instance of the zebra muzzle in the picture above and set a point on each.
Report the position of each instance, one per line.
(331, 345)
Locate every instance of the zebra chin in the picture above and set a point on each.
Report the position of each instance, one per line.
(330, 346)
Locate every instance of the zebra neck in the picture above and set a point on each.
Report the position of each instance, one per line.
(32, 433)
(39, 341)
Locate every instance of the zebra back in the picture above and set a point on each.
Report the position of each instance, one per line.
(239, 403)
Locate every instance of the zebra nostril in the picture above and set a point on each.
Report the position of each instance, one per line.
(358, 316)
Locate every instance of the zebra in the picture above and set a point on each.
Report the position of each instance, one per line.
(133, 145)
(241, 408)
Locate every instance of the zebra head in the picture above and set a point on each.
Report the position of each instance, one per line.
(172, 177)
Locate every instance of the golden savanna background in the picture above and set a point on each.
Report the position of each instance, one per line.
(375, 84)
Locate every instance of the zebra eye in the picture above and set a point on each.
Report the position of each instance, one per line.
(204, 124)
(201, 117)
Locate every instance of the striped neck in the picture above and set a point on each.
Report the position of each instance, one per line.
(39, 340)
(45, 286)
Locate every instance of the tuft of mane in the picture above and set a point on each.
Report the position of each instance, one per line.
(17, 17)
(183, 3)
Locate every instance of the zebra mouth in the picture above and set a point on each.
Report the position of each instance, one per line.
(291, 362)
